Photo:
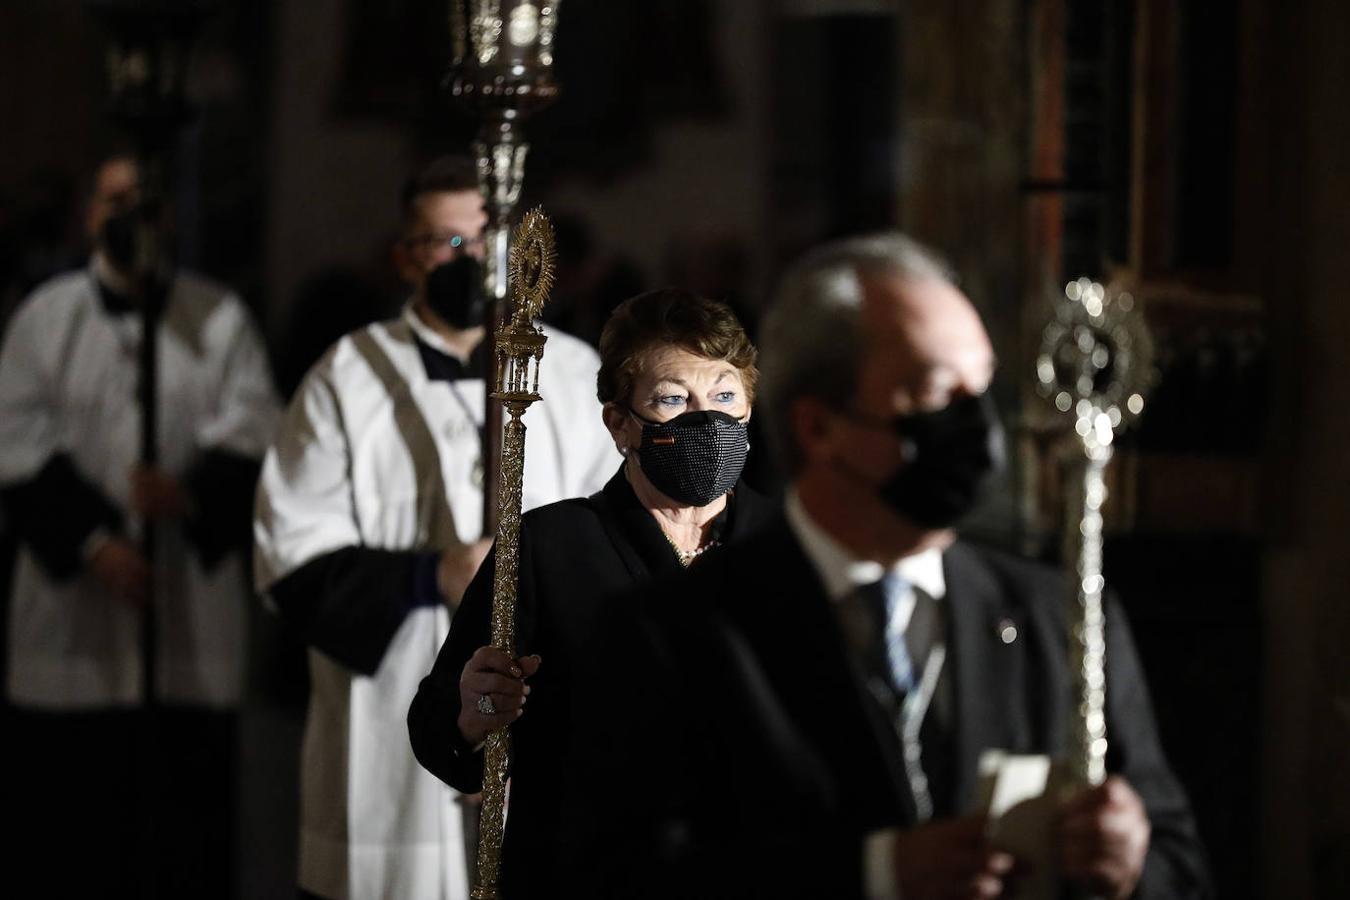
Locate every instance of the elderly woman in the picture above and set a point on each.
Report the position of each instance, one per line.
(677, 379)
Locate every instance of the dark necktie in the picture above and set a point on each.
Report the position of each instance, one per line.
(888, 660)
(888, 653)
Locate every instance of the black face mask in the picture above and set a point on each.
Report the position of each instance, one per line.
(695, 457)
(117, 238)
(951, 456)
(454, 291)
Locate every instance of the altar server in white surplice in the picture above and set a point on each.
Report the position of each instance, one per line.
(78, 498)
(368, 530)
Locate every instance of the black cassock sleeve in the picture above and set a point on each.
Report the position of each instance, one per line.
(349, 602)
(56, 511)
(221, 485)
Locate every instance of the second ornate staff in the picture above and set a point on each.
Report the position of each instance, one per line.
(1095, 365)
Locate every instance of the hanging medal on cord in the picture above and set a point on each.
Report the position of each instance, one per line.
(480, 427)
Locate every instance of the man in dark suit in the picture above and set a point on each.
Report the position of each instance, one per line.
(813, 703)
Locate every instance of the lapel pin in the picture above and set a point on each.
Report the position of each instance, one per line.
(1006, 629)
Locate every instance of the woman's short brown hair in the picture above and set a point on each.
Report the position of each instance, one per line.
(670, 317)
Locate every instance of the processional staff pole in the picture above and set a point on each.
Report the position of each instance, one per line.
(147, 58)
(149, 42)
(518, 350)
(502, 71)
(1095, 366)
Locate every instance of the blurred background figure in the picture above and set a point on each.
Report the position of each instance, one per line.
(368, 529)
(77, 499)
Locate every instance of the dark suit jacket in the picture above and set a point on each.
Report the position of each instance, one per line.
(754, 762)
(574, 556)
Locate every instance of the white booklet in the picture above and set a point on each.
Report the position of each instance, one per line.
(1020, 795)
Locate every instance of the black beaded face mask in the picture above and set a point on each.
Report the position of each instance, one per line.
(951, 456)
(695, 457)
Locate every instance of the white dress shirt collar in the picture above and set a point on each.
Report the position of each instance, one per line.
(841, 573)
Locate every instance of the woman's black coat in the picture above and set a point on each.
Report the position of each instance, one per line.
(574, 555)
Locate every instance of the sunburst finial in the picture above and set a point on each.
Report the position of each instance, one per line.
(531, 265)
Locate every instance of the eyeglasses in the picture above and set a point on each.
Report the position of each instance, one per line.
(428, 244)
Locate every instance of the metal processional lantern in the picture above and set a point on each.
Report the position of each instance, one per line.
(1095, 366)
(502, 71)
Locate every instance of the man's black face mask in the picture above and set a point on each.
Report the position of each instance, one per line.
(951, 456)
(454, 291)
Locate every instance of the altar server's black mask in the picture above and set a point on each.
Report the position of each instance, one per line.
(454, 291)
(117, 238)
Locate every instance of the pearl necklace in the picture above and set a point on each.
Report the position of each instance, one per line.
(687, 557)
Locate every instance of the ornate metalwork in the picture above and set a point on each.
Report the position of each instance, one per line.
(501, 172)
(519, 350)
(485, 29)
(533, 259)
(503, 49)
(523, 29)
(503, 71)
(1095, 365)
(548, 23)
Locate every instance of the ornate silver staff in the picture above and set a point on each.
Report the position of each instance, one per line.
(519, 349)
(502, 71)
(1095, 365)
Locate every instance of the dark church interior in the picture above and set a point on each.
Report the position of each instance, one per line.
(1193, 154)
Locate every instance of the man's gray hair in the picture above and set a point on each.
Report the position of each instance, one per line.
(809, 338)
